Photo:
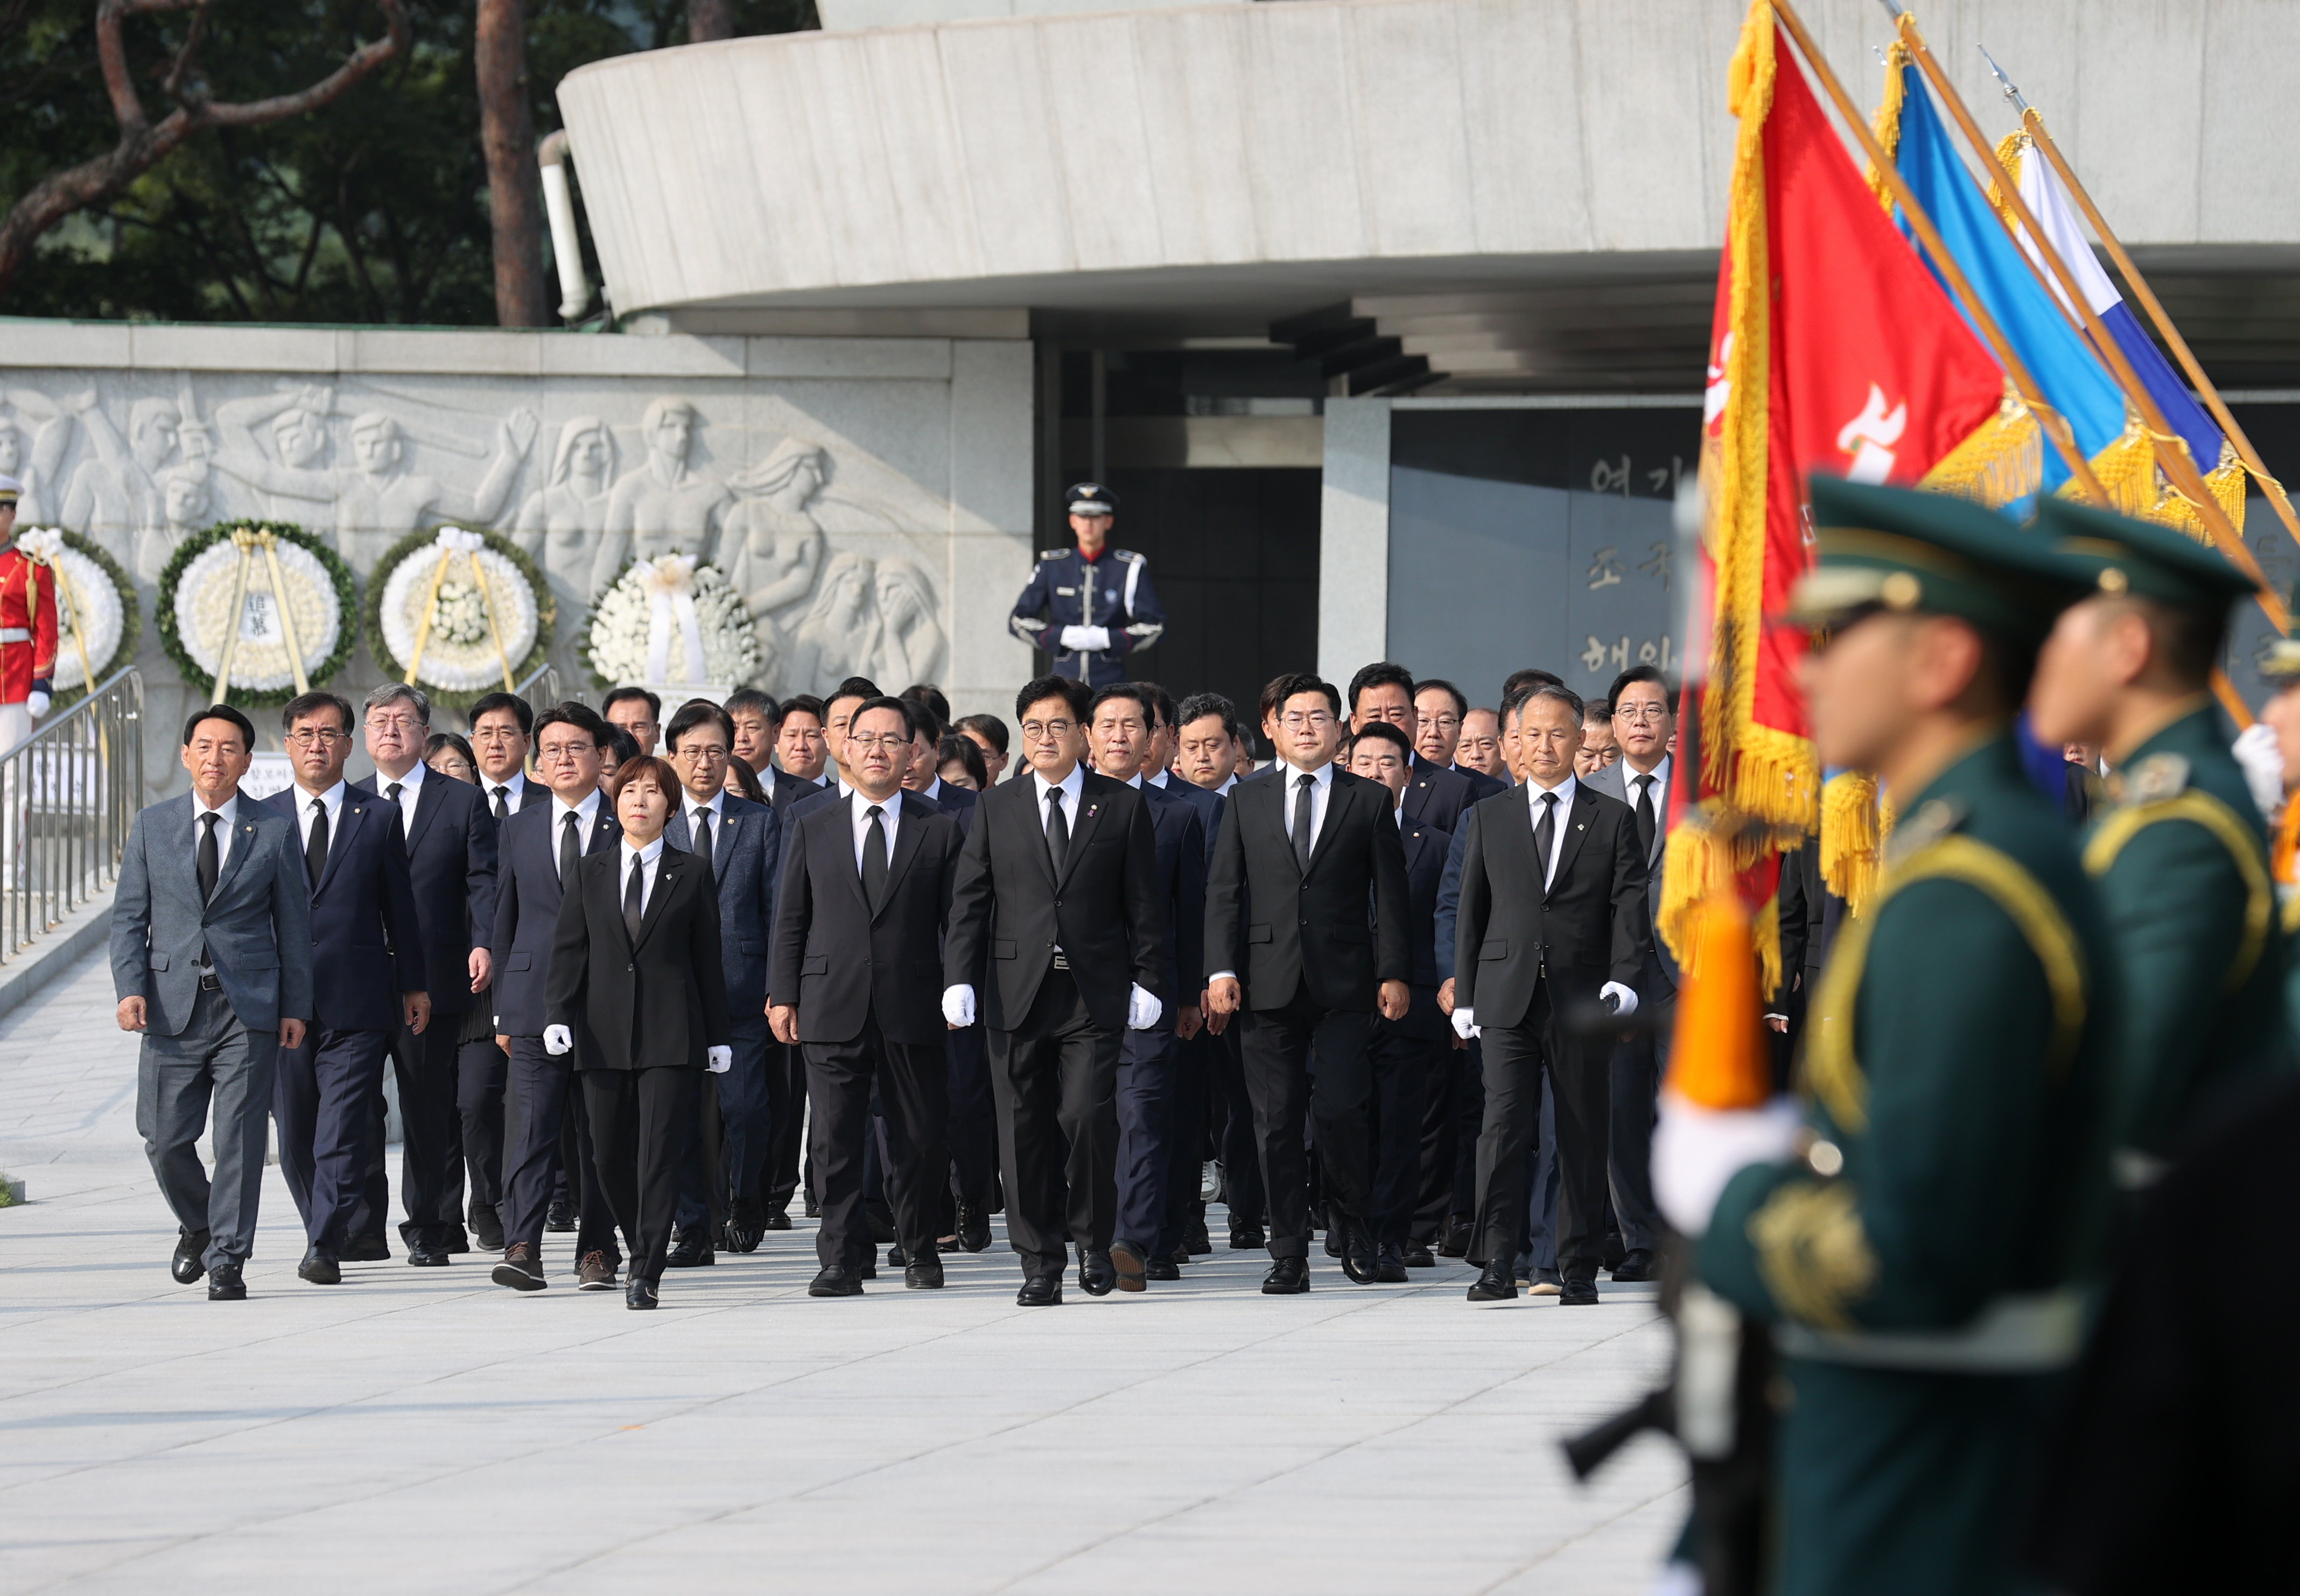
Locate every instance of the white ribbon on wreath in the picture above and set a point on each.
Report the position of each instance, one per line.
(670, 580)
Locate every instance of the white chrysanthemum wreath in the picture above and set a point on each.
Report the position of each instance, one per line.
(672, 620)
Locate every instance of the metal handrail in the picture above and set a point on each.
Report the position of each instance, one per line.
(68, 793)
(541, 690)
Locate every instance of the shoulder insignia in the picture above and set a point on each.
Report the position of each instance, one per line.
(1934, 819)
(2155, 778)
(1127, 554)
(1048, 556)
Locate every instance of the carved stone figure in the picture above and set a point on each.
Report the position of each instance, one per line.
(910, 637)
(117, 494)
(188, 506)
(840, 635)
(772, 548)
(33, 459)
(664, 505)
(562, 523)
(299, 432)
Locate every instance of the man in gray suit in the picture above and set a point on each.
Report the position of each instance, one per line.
(211, 962)
(1645, 718)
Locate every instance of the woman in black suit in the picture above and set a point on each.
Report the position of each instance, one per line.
(635, 973)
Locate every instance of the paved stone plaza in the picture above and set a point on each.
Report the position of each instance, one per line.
(424, 1430)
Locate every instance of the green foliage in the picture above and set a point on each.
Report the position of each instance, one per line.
(373, 210)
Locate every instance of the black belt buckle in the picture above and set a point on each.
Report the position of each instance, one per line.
(1061, 960)
(209, 983)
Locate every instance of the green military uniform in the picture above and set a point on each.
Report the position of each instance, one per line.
(1922, 1264)
(2281, 669)
(2180, 862)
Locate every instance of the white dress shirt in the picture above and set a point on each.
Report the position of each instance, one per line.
(587, 812)
(716, 808)
(1072, 787)
(858, 810)
(650, 859)
(1659, 789)
(514, 791)
(932, 792)
(1157, 779)
(1322, 795)
(1223, 791)
(225, 818)
(411, 787)
(331, 800)
(1564, 791)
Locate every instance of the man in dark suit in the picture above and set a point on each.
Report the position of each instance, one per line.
(1057, 899)
(211, 963)
(799, 744)
(1553, 913)
(740, 845)
(855, 987)
(451, 866)
(1409, 1055)
(1299, 856)
(924, 773)
(1441, 710)
(541, 847)
(1145, 1237)
(367, 978)
(1434, 795)
(757, 719)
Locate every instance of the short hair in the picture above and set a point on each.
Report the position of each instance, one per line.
(1382, 731)
(909, 713)
(1301, 682)
(1161, 701)
(1198, 706)
(1593, 709)
(621, 744)
(1382, 674)
(1273, 695)
(579, 716)
(803, 703)
(1130, 691)
(438, 741)
(630, 769)
(221, 711)
(1555, 693)
(967, 753)
(928, 696)
(2188, 640)
(855, 687)
(1530, 676)
(626, 694)
(490, 703)
(694, 712)
(751, 701)
(992, 730)
(1073, 692)
(312, 704)
(1439, 684)
(1641, 673)
(747, 779)
(924, 723)
(402, 693)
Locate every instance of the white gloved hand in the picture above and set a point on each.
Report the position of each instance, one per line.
(718, 1061)
(1614, 989)
(1090, 639)
(2260, 755)
(958, 1005)
(1465, 1024)
(1142, 1010)
(1696, 1151)
(558, 1040)
(37, 705)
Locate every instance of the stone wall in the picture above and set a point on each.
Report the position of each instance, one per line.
(871, 496)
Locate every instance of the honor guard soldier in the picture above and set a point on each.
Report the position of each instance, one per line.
(1092, 605)
(1920, 1251)
(27, 628)
(2180, 855)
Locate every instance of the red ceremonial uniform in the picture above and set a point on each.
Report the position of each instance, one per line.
(28, 625)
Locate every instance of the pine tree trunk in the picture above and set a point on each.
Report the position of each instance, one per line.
(515, 182)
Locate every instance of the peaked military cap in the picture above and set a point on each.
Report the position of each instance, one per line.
(9, 488)
(2149, 561)
(1897, 548)
(1091, 498)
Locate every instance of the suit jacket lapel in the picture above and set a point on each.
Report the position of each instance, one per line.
(1574, 824)
(179, 847)
(669, 867)
(428, 797)
(1031, 816)
(1090, 807)
(908, 831)
(242, 845)
(350, 816)
(1337, 801)
(1280, 815)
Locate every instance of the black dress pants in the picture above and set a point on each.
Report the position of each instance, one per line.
(910, 1083)
(1186, 1146)
(430, 1153)
(1517, 1060)
(1453, 1109)
(1276, 1051)
(786, 1110)
(641, 1122)
(1404, 1069)
(1239, 1151)
(1055, 1078)
(1637, 1069)
(480, 1070)
(324, 1096)
(540, 1100)
(973, 1122)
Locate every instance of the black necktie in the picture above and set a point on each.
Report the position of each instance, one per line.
(570, 848)
(210, 860)
(874, 859)
(1306, 795)
(502, 803)
(1058, 831)
(633, 897)
(701, 829)
(1645, 816)
(1543, 830)
(392, 792)
(316, 846)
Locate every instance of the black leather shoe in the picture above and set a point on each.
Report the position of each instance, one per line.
(868, 1269)
(1180, 1255)
(487, 1227)
(1636, 1263)
(561, 1218)
(777, 1220)
(924, 1275)
(1288, 1277)
(1198, 1242)
(973, 1228)
(1357, 1251)
(1580, 1287)
(1129, 1262)
(896, 1258)
(882, 1226)
(365, 1249)
(1498, 1283)
(1455, 1242)
(318, 1268)
(1418, 1257)
(1160, 1268)
(224, 1283)
(639, 1294)
(1247, 1238)
(834, 1280)
(520, 1269)
(1389, 1264)
(1040, 1291)
(744, 1237)
(429, 1256)
(813, 1209)
(186, 1266)
(689, 1250)
(1097, 1277)
(453, 1239)
(1338, 1232)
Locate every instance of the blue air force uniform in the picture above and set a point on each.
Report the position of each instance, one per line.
(1089, 614)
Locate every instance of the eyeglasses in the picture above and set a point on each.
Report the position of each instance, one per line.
(1312, 720)
(704, 752)
(318, 736)
(564, 751)
(892, 742)
(1038, 731)
(1639, 713)
(399, 723)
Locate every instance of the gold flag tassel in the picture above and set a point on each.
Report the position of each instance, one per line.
(2008, 155)
(1887, 123)
(2228, 485)
(2127, 468)
(1853, 826)
(2001, 461)
(1699, 868)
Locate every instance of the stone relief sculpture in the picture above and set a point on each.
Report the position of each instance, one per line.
(909, 637)
(772, 547)
(664, 505)
(562, 523)
(116, 497)
(33, 458)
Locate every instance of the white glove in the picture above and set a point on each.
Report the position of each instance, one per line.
(1614, 989)
(558, 1040)
(2257, 750)
(1696, 1151)
(1142, 1010)
(37, 705)
(958, 1005)
(718, 1060)
(1092, 639)
(1465, 1024)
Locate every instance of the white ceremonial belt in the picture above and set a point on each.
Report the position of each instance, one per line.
(2027, 1332)
(14, 634)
